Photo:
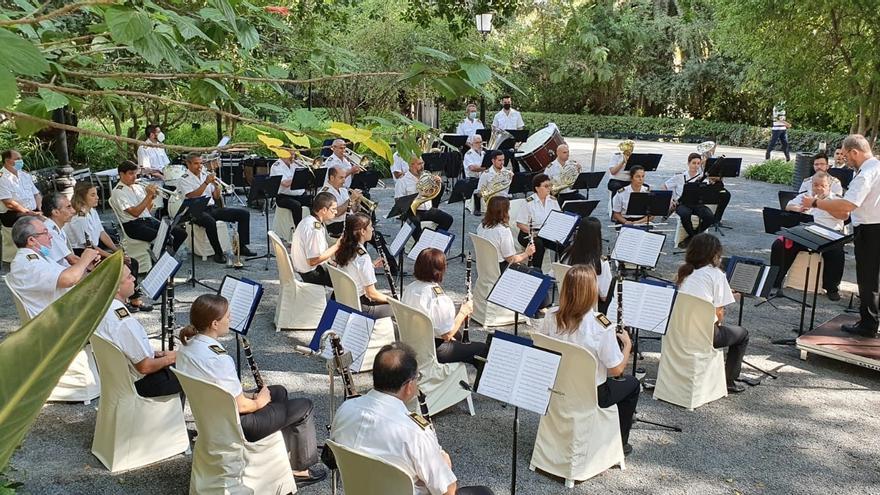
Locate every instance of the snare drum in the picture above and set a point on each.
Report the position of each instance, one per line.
(539, 150)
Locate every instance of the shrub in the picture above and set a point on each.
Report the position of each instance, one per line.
(772, 171)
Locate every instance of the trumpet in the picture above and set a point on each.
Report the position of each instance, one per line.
(224, 187)
(165, 193)
(358, 200)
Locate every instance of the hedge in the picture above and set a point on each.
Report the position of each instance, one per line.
(772, 171)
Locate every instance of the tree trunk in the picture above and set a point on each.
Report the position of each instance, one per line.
(64, 182)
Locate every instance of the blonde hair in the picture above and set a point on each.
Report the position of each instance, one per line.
(80, 191)
(580, 294)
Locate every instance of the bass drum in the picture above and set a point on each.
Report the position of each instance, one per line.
(539, 150)
(173, 173)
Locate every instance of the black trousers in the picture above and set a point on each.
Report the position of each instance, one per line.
(832, 264)
(293, 417)
(319, 276)
(867, 247)
(623, 391)
(436, 215)
(474, 490)
(723, 201)
(208, 221)
(457, 351)
(294, 204)
(541, 245)
(145, 229)
(781, 137)
(375, 309)
(158, 384)
(736, 339)
(701, 211)
(478, 202)
(8, 218)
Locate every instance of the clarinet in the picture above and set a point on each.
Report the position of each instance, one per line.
(258, 379)
(423, 407)
(380, 242)
(619, 290)
(465, 334)
(531, 237)
(347, 380)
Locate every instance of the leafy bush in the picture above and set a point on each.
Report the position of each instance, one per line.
(772, 171)
(97, 154)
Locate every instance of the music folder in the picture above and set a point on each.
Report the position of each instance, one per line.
(164, 269)
(520, 289)
(648, 161)
(430, 238)
(244, 296)
(559, 226)
(519, 373)
(353, 327)
(647, 305)
(161, 240)
(638, 247)
(750, 276)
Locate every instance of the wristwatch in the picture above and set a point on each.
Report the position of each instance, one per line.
(815, 202)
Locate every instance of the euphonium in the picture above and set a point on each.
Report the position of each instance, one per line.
(626, 146)
(497, 137)
(567, 177)
(428, 187)
(499, 182)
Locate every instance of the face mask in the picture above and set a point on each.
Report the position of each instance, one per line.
(506, 106)
(19, 164)
(473, 115)
(44, 250)
(160, 137)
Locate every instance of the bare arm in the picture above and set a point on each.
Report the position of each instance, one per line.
(247, 405)
(374, 295)
(13, 205)
(72, 275)
(617, 168)
(326, 255)
(161, 360)
(838, 208)
(138, 209)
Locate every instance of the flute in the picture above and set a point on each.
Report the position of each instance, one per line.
(344, 370)
(465, 334)
(258, 379)
(380, 242)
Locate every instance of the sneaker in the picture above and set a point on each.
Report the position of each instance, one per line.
(627, 449)
(833, 295)
(735, 388)
(478, 213)
(859, 330)
(684, 243)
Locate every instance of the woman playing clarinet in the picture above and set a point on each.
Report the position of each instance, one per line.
(354, 260)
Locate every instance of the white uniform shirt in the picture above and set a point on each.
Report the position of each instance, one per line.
(864, 193)
(471, 157)
(19, 188)
(379, 424)
(341, 196)
(836, 186)
(501, 237)
(286, 173)
(398, 164)
(591, 335)
(204, 358)
(487, 176)
(35, 280)
(126, 197)
(406, 185)
(604, 279)
(59, 249)
(127, 333)
(676, 183)
(309, 241)
(152, 157)
(621, 200)
(189, 182)
(468, 127)
(820, 216)
(709, 284)
(342, 164)
(361, 270)
(537, 212)
(778, 125)
(613, 162)
(430, 298)
(506, 121)
(82, 227)
(554, 170)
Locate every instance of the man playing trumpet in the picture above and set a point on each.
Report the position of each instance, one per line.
(132, 202)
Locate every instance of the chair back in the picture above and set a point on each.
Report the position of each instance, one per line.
(796, 277)
(559, 271)
(282, 260)
(515, 205)
(575, 379)
(344, 288)
(116, 377)
(487, 257)
(23, 315)
(691, 325)
(363, 474)
(488, 271)
(416, 330)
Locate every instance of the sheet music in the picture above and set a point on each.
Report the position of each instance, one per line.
(638, 247)
(159, 275)
(223, 142)
(159, 241)
(400, 239)
(824, 233)
(744, 276)
(241, 297)
(764, 276)
(519, 375)
(645, 306)
(354, 331)
(430, 239)
(515, 290)
(558, 226)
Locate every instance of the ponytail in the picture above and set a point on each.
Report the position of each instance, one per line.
(683, 272)
(187, 333)
(704, 249)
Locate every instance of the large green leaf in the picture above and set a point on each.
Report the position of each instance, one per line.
(478, 72)
(52, 99)
(8, 88)
(126, 25)
(20, 55)
(33, 359)
(31, 106)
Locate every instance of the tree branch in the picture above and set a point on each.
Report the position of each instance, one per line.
(71, 40)
(214, 75)
(55, 13)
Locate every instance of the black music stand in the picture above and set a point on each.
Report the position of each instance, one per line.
(648, 161)
(266, 188)
(365, 181)
(723, 166)
(774, 221)
(401, 210)
(519, 135)
(461, 192)
(522, 183)
(303, 178)
(457, 141)
(588, 180)
(320, 177)
(581, 207)
(166, 308)
(652, 203)
(189, 210)
(844, 175)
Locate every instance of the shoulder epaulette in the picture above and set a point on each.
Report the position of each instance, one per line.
(530, 198)
(603, 320)
(120, 187)
(217, 349)
(317, 225)
(184, 176)
(32, 257)
(122, 313)
(325, 189)
(361, 251)
(80, 213)
(419, 420)
(438, 291)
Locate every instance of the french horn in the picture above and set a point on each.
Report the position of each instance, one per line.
(627, 146)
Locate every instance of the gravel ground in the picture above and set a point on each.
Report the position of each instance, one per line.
(806, 432)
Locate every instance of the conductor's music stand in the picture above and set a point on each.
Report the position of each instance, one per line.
(266, 188)
(189, 210)
(774, 221)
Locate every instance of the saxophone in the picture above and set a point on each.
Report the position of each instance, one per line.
(428, 187)
(566, 178)
(499, 182)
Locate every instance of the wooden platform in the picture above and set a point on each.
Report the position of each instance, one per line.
(830, 341)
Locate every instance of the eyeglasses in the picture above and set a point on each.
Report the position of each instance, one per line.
(38, 234)
(417, 378)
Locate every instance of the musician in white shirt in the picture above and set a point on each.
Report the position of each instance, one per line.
(471, 124)
(150, 158)
(820, 164)
(334, 186)
(308, 247)
(399, 166)
(407, 185)
(293, 200)
(693, 175)
(353, 259)
(18, 194)
(496, 159)
(620, 203)
(338, 159)
(496, 229)
(532, 215)
(473, 158)
(57, 209)
(132, 202)
(507, 118)
(783, 251)
(620, 177)
(840, 158)
(554, 170)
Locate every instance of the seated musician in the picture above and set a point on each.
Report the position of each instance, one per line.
(134, 202)
(471, 124)
(426, 294)
(353, 259)
(473, 166)
(149, 368)
(621, 200)
(407, 185)
(334, 186)
(338, 160)
(18, 194)
(820, 164)
(308, 247)
(700, 276)
(198, 183)
(577, 322)
(723, 194)
(496, 229)
(262, 412)
(86, 230)
(676, 183)
(554, 170)
(293, 200)
(496, 161)
(586, 249)
(784, 251)
(380, 425)
(57, 211)
(151, 159)
(532, 215)
(620, 177)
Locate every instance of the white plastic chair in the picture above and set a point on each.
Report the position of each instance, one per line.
(200, 243)
(440, 382)
(691, 371)
(486, 313)
(345, 291)
(223, 461)
(515, 205)
(9, 248)
(363, 474)
(134, 248)
(576, 439)
(559, 271)
(282, 222)
(23, 315)
(300, 305)
(797, 274)
(128, 425)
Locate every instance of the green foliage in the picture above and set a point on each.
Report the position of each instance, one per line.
(772, 171)
(32, 150)
(33, 358)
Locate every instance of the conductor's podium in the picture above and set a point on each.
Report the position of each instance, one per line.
(830, 341)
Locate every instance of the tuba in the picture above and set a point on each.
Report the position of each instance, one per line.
(497, 137)
(428, 187)
(626, 146)
(499, 182)
(567, 177)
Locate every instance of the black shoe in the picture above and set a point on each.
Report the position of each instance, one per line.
(220, 258)
(859, 330)
(316, 473)
(627, 449)
(735, 388)
(684, 244)
(833, 295)
(244, 251)
(478, 213)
